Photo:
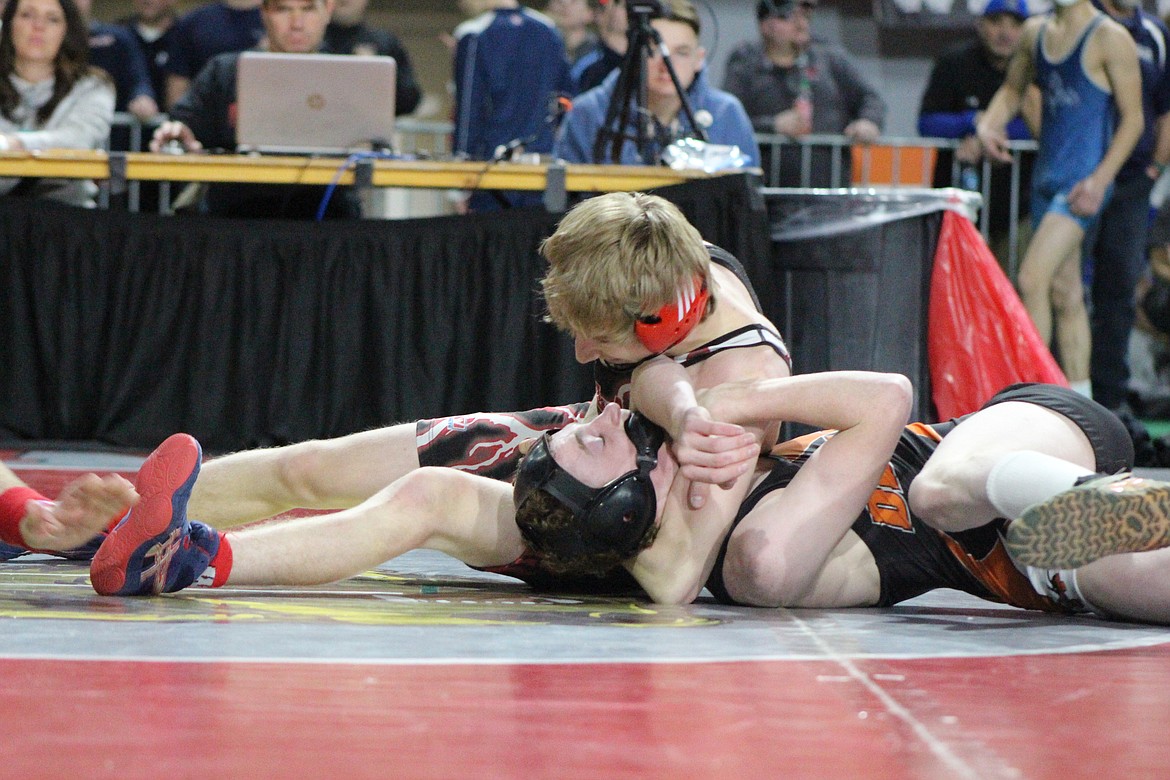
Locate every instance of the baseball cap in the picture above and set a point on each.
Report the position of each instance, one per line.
(1017, 8)
(781, 8)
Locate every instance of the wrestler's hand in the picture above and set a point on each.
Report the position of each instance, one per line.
(969, 150)
(1086, 196)
(995, 142)
(83, 509)
(712, 453)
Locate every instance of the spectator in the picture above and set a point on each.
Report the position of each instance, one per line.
(348, 33)
(216, 28)
(205, 118)
(49, 96)
(962, 83)
(729, 124)
(794, 85)
(113, 49)
(1093, 78)
(609, 16)
(509, 69)
(1115, 246)
(574, 19)
(151, 24)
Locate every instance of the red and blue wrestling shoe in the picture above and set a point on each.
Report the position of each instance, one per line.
(9, 551)
(155, 549)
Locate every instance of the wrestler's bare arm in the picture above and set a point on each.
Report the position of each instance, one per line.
(706, 449)
(781, 550)
(709, 454)
(1009, 98)
(1118, 53)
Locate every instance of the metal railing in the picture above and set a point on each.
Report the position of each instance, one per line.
(812, 161)
(833, 161)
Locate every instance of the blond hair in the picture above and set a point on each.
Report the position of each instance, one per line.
(682, 11)
(615, 258)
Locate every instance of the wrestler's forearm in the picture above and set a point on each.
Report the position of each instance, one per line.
(832, 399)
(1124, 140)
(662, 390)
(1124, 73)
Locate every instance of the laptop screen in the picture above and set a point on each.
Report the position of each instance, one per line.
(314, 103)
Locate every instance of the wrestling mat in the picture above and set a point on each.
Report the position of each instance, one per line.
(426, 668)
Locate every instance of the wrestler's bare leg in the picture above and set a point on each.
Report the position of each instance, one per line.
(1056, 240)
(470, 518)
(322, 474)
(951, 491)
(1135, 586)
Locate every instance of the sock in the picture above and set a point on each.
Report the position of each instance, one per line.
(220, 566)
(1021, 479)
(12, 510)
(1084, 387)
(115, 520)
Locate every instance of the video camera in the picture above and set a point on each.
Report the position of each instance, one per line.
(649, 9)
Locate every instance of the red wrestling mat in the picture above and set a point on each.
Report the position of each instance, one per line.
(1104, 715)
(443, 674)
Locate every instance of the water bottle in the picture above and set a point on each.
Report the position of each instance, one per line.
(803, 102)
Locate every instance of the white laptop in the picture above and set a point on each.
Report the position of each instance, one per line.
(314, 103)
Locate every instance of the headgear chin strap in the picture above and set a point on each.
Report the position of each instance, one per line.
(614, 517)
(659, 332)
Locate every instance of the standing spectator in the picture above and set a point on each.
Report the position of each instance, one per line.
(794, 85)
(113, 49)
(609, 16)
(49, 96)
(1115, 247)
(348, 33)
(215, 28)
(151, 24)
(679, 29)
(1086, 66)
(510, 68)
(962, 83)
(574, 19)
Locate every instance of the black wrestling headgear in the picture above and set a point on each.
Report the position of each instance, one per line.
(614, 517)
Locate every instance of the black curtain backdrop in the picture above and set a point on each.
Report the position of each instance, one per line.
(123, 328)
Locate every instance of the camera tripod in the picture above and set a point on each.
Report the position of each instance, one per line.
(629, 95)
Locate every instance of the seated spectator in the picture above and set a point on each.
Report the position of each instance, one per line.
(591, 68)
(729, 124)
(962, 83)
(205, 119)
(510, 68)
(574, 19)
(794, 85)
(216, 28)
(49, 96)
(151, 25)
(113, 49)
(348, 33)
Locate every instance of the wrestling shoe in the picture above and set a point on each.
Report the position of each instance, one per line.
(155, 549)
(1106, 515)
(10, 551)
(85, 552)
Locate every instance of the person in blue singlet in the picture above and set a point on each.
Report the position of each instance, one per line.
(1086, 66)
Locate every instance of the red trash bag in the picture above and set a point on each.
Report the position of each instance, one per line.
(980, 338)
